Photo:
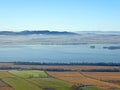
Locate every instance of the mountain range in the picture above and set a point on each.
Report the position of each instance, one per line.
(44, 32)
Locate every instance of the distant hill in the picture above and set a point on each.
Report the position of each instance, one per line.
(45, 32)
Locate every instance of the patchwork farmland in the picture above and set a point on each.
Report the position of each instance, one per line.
(58, 77)
(32, 79)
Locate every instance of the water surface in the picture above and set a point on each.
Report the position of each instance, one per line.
(59, 53)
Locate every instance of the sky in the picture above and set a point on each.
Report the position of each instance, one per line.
(60, 15)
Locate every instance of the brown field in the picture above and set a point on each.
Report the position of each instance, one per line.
(79, 78)
(4, 74)
(113, 77)
(5, 64)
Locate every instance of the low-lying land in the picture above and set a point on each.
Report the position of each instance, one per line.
(58, 77)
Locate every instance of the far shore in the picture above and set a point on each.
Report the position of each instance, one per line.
(60, 67)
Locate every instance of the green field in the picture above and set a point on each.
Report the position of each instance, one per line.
(29, 73)
(21, 84)
(52, 83)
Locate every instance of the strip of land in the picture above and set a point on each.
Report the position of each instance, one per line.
(59, 76)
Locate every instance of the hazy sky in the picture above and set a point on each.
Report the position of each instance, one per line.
(63, 15)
